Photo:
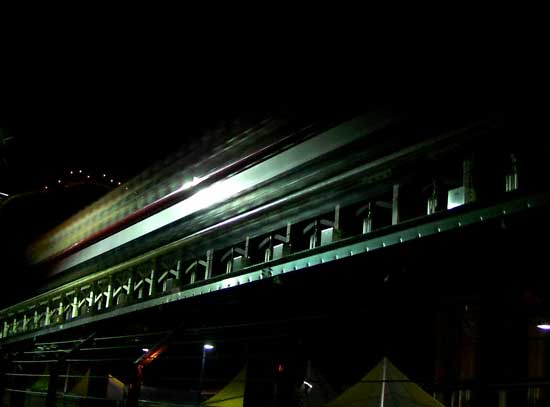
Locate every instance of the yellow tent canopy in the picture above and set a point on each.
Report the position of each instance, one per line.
(384, 386)
(81, 388)
(231, 395)
(42, 383)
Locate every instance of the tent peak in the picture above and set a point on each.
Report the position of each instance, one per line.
(385, 385)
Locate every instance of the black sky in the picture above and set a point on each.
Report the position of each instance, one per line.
(119, 123)
(38, 154)
(121, 119)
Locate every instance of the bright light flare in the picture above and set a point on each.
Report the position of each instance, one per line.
(208, 346)
(189, 184)
(544, 327)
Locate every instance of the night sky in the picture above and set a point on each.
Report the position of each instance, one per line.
(127, 133)
(119, 122)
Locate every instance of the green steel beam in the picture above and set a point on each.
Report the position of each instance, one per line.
(407, 231)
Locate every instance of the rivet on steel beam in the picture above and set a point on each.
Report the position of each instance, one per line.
(439, 229)
(459, 224)
(400, 240)
(383, 244)
(419, 234)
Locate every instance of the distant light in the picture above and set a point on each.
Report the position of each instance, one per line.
(71, 172)
(308, 384)
(80, 171)
(544, 327)
(208, 346)
(104, 175)
(46, 187)
(118, 182)
(87, 176)
(59, 181)
(145, 350)
(112, 180)
(4, 194)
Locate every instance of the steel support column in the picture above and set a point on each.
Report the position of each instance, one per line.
(55, 367)
(134, 388)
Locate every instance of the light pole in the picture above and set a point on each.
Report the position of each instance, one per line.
(206, 348)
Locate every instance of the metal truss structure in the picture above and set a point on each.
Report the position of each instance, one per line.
(345, 205)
